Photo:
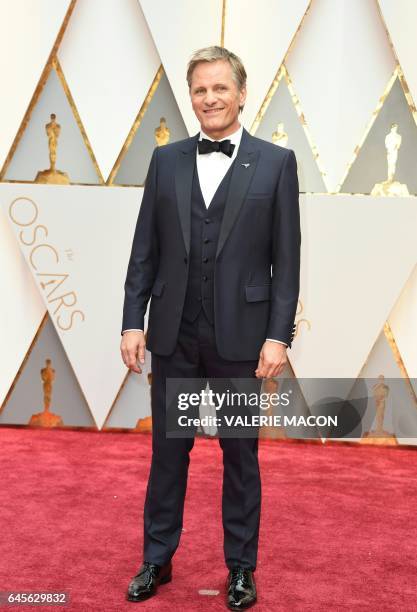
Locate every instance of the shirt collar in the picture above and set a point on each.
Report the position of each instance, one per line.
(234, 138)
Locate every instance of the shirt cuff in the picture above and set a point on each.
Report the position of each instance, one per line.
(126, 330)
(279, 341)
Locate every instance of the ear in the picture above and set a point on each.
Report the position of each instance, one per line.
(242, 99)
(242, 96)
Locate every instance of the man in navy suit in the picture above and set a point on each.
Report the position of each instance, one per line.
(217, 250)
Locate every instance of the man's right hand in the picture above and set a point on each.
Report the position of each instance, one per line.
(132, 347)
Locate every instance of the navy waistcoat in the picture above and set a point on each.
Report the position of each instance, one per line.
(205, 229)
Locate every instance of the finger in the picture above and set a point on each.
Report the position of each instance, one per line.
(269, 370)
(125, 349)
(276, 371)
(133, 365)
(142, 348)
(132, 352)
(259, 372)
(280, 368)
(131, 358)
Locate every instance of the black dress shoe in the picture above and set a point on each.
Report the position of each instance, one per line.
(146, 581)
(241, 589)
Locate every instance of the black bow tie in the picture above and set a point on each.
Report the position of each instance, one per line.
(208, 146)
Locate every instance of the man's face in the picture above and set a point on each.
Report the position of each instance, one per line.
(215, 98)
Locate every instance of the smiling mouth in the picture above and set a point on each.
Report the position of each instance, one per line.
(213, 111)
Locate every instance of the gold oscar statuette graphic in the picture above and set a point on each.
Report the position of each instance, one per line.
(379, 435)
(271, 431)
(280, 136)
(302, 321)
(391, 187)
(52, 175)
(162, 133)
(46, 418)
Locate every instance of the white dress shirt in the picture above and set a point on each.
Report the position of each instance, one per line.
(211, 168)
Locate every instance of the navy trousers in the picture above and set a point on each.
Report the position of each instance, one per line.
(196, 356)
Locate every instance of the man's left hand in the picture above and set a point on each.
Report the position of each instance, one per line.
(272, 360)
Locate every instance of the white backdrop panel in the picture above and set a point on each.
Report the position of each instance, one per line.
(79, 260)
(357, 253)
(109, 60)
(260, 33)
(28, 29)
(403, 322)
(179, 28)
(21, 307)
(340, 67)
(399, 18)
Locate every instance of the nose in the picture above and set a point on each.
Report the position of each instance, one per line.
(210, 98)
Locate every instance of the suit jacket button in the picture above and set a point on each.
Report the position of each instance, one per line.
(207, 220)
(204, 278)
(205, 259)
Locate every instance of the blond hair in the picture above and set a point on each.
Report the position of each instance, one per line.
(214, 54)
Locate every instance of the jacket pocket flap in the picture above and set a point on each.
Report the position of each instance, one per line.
(257, 293)
(158, 287)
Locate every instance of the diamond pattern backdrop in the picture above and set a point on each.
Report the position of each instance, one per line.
(327, 78)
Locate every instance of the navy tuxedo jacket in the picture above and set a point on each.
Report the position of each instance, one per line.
(257, 264)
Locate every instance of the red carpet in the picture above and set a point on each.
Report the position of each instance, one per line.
(338, 528)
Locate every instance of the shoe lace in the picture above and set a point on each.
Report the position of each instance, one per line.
(238, 575)
(147, 567)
